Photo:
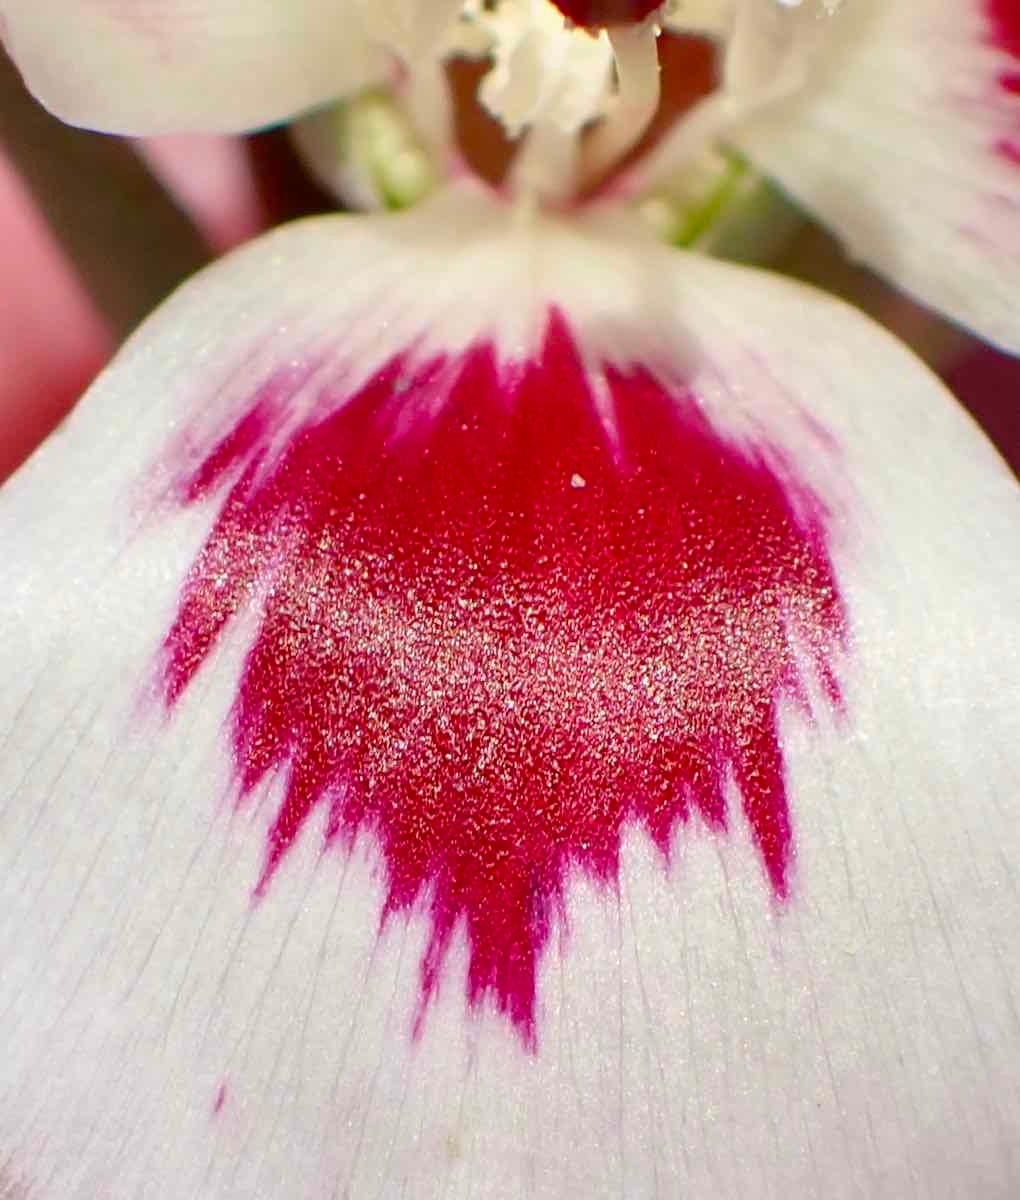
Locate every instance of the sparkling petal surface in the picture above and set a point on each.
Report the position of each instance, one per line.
(497, 629)
(167, 1034)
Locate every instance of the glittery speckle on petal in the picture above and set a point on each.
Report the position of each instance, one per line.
(492, 635)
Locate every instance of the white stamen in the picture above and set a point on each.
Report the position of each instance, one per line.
(769, 50)
(581, 100)
(637, 73)
(547, 167)
(544, 70)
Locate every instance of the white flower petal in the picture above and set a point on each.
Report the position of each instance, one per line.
(906, 143)
(170, 66)
(854, 1032)
(709, 18)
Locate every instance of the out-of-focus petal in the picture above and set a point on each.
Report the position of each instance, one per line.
(174, 66)
(711, 18)
(506, 707)
(907, 143)
(52, 340)
(214, 179)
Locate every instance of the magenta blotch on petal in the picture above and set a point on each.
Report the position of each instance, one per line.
(495, 634)
(1005, 20)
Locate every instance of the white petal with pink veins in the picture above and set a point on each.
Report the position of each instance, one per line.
(172, 66)
(906, 141)
(497, 707)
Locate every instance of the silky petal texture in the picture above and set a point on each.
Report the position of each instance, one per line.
(178, 66)
(695, 1033)
(905, 144)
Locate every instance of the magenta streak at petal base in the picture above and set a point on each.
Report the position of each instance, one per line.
(1004, 17)
(492, 640)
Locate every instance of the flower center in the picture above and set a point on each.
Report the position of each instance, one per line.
(577, 88)
(604, 13)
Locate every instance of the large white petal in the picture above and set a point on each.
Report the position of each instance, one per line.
(849, 1030)
(171, 66)
(907, 142)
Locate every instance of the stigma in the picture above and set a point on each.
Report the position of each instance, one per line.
(597, 14)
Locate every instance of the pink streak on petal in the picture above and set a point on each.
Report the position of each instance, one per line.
(157, 24)
(493, 639)
(1004, 16)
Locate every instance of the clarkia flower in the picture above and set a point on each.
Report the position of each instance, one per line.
(497, 704)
